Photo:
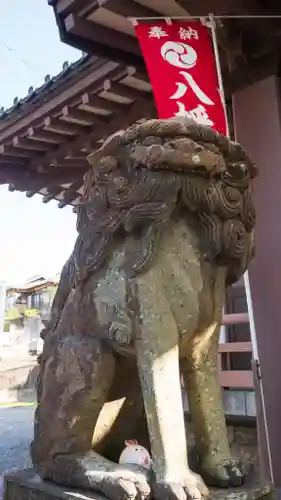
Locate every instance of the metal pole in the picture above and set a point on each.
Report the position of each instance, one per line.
(190, 18)
(212, 20)
(257, 366)
(218, 66)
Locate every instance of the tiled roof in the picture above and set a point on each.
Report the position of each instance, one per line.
(29, 285)
(51, 86)
(44, 137)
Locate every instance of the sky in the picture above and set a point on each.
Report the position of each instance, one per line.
(35, 238)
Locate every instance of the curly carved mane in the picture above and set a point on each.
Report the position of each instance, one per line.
(142, 176)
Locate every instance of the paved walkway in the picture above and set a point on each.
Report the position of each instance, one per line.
(16, 430)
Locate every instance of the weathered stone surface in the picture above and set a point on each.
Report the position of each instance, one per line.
(27, 485)
(166, 223)
(243, 443)
(253, 489)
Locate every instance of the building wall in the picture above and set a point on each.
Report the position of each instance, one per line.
(236, 302)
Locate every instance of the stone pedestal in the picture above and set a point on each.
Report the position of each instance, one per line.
(26, 485)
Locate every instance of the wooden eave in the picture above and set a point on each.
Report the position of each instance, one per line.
(27, 290)
(43, 145)
(102, 27)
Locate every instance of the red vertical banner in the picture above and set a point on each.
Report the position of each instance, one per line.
(182, 70)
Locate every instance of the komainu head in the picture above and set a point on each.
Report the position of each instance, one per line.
(146, 175)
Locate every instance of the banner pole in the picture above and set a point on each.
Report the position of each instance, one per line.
(212, 25)
(218, 66)
(190, 18)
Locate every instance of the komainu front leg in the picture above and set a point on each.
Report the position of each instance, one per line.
(199, 370)
(76, 376)
(158, 365)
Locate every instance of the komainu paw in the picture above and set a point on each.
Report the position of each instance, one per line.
(124, 483)
(192, 488)
(223, 473)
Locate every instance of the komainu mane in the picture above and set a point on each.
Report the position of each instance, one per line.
(165, 225)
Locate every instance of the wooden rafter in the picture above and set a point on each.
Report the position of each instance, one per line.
(70, 163)
(123, 91)
(97, 104)
(52, 193)
(61, 127)
(18, 152)
(66, 6)
(100, 38)
(68, 148)
(43, 136)
(74, 115)
(23, 143)
(70, 194)
(48, 154)
(92, 82)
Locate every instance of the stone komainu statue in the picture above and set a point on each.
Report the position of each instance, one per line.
(166, 223)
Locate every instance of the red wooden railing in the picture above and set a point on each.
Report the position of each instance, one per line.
(242, 379)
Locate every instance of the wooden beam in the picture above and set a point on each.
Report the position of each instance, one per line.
(127, 8)
(141, 108)
(69, 163)
(9, 172)
(235, 347)
(63, 176)
(77, 157)
(30, 194)
(122, 8)
(242, 379)
(78, 116)
(70, 194)
(96, 103)
(103, 38)
(27, 181)
(122, 90)
(52, 193)
(64, 7)
(21, 142)
(235, 319)
(251, 73)
(61, 127)
(45, 136)
(12, 166)
(9, 161)
(18, 152)
(64, 203)
(141, 75)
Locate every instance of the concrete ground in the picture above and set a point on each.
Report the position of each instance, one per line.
(16, 422)
(16, 430)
